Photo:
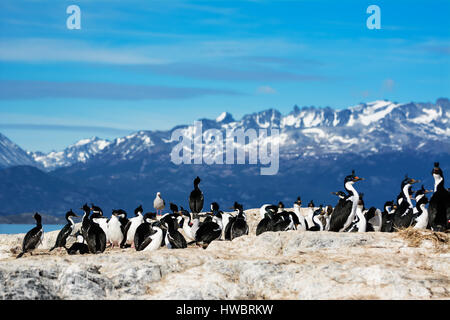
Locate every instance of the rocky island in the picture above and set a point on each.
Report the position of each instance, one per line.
(275, 265)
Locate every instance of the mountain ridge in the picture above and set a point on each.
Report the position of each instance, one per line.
(328, 130)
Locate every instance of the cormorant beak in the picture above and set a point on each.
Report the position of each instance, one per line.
(358, 179)
(428, 191)
(414, 181)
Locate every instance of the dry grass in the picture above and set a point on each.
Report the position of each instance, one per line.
(415, 237)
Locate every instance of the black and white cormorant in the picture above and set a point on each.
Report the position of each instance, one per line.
(98, 217)
(174, 209)
(190, 224)
(286, 220)
(65, 232)
(145, 234)
(316, 222)
(79, 246)
(309, 215)
(359, 223)
(209, 230)
(345, 211)
(228, 220)
(374, 219)
(301, 219)
(123, 218)
(173, 238)
(239, 227)
(267, 223)
(33, 238)
(403, 216)
(421, 212)
(387, 216)
(115, 228)
(439, 207)
(196, 198)
(93, 234)
(327, 216)
(342, 209)
(130, 228)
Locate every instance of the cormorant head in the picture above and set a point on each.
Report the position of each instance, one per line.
(318, 211)
(138, 210)
(421, 192)
(184, 212)
(298, 202)
(437, 170)
(280, 205)
(97, 209)
(173, 207)
(237, 207)
(272, 209)
(149, 216)
(86, 208)
(70, 214)
(409, 181)
(119, 212)
(37, 217)
(214, 207)
(311, 204)
(388, 205)
(420, 196)
(352, 178)
(197, 181)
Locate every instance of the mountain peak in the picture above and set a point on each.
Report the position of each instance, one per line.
(225, 117)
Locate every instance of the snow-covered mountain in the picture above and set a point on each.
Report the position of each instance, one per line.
(80, 152)
(12, 155)
(364, 129)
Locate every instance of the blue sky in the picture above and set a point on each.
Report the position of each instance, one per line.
(150, 65)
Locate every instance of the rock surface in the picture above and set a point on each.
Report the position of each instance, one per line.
(281, 265)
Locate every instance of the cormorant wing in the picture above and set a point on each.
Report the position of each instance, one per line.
(125, 232)
(32, 239)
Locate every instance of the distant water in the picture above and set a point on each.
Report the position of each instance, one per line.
(24, 228)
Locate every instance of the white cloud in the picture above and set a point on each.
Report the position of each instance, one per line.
(266, 90)
(57, 50)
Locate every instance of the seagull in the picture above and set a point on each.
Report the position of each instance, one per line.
(159, 203)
